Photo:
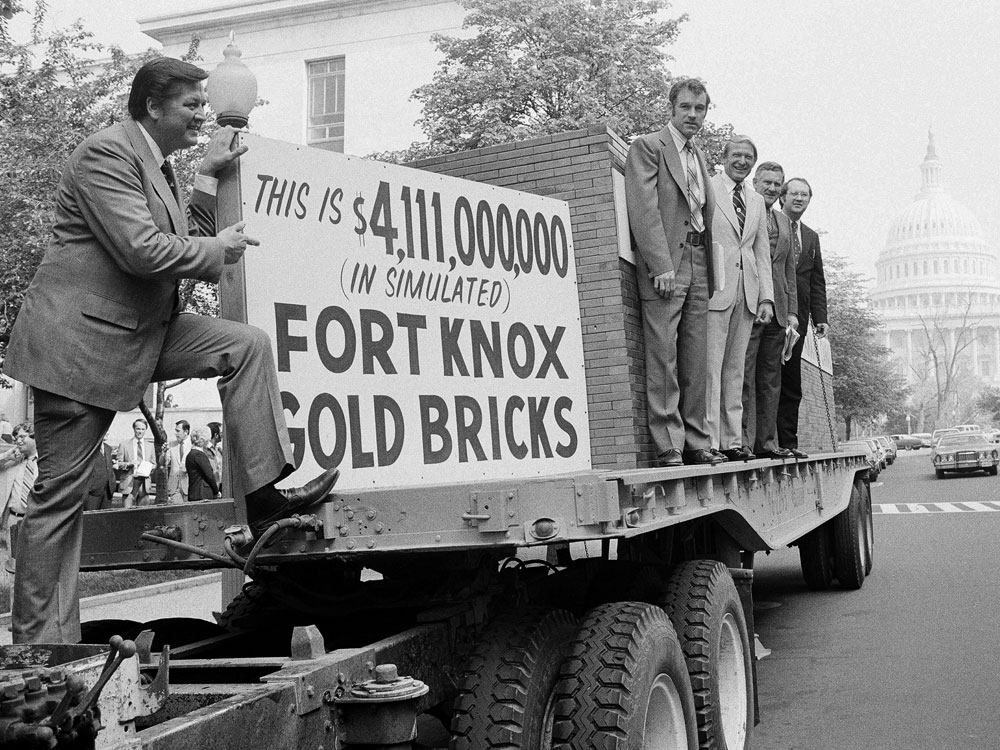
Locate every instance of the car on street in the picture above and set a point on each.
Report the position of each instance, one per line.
(938, 434)
(925, 439)
(871, 450)
(965, 452)
(907, 442)
(889, 447)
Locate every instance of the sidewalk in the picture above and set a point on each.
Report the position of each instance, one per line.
(188, 597)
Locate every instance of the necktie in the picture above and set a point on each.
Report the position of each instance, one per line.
(138, 451)
(739, 206)
(168, 174)
(28, 475)
(693, 189)
(796, 246)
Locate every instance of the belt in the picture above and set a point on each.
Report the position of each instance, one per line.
(696, 239)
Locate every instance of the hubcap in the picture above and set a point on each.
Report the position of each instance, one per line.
(732, 684)
(664, 728)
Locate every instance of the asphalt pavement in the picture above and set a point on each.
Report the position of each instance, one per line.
(912, 660)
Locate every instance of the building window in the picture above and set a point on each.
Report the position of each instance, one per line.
(326, 104)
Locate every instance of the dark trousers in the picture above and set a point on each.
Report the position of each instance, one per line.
(762, 387)
(791, 396)
(46, 606)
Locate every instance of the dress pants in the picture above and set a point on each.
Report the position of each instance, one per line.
(728, 336)
(762, 387)
(46, 607)
(676, 331)
(791, 396)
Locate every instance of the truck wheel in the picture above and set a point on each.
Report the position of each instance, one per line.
(849, 545)
(705, 608)
(505, 697)
(624, 685)
(250, 609)
(816, 558)
(869, 520)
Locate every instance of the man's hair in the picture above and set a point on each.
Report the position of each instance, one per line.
(784, 188)
(143, 422)
(694, 85)
(160, 79)
(769, 166)
(216, 430)
(26, 427)
(737, 139)
(184, 425)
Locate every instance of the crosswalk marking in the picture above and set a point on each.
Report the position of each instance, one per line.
(903, 509)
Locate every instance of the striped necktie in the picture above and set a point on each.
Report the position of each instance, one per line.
(796, 245)
(694, 195)
(739, 206)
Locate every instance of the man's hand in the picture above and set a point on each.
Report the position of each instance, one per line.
(765, 311)
(822, 329)
(220, 153)
(235, 242)
(663, 283)
(793, 320)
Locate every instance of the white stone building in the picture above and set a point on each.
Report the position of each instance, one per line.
(938, 287)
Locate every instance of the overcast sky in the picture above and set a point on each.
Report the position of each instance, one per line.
(841, 92)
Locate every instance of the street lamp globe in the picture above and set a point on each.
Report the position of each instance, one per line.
(232, 88)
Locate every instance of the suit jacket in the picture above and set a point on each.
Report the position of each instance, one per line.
(783, 271)
(749, 249)
(658, 211)
(127, 455)
(811, 286)
(201, 477)
(94, 317)
(103, 487)
(177, 476)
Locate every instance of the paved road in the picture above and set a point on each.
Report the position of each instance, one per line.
(912, 660)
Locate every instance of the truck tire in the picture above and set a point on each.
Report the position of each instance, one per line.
(704, 606)
(866, 497)
(624, 685)
(816, 558)
(849, 545)
(505, 690)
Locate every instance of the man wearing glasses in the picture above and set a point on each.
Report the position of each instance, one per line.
(811, 293)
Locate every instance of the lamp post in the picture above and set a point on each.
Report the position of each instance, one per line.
(232, 88)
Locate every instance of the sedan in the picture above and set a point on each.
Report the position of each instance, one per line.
(871, 454)
(907, 442)
(965, 452)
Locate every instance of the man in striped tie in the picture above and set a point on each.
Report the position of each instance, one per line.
(670, 207)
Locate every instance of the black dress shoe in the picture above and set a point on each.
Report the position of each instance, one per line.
(718, 454)
(738, 454)
(269, 504)
(781, 453)
(797, 453)
(702, 456)
(669, 458)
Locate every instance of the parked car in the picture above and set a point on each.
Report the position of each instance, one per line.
(938, 434)
(871, 453)
(889, 447)
(925, 439)
(965, 452)
(908, 442)
(968, 428)
(992, 435)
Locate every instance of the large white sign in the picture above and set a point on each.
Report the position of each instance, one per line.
(426, 329)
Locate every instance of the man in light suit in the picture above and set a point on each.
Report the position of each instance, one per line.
(670, 207)
(177, 476)
(795, 196)
(104, 300)
(131, 453)
(740, 229)
(762, 377)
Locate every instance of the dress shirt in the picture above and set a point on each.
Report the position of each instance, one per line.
(202, 182)
(680, 142)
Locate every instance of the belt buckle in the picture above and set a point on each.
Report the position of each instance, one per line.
(696, 239)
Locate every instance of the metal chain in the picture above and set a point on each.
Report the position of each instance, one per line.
(822, 383)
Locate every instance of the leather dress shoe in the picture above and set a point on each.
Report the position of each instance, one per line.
(781, 453)
(797, 453)
(669, 458)
(718, 454)
(738, 454)
(269, 504)
(702, 456)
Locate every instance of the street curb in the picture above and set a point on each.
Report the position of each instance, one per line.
(143, 592)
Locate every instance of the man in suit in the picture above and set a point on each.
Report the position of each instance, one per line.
(670, 207)
(762, 375)
(177, 476)
(132, 452)
(740, 229)
(811, 297)
(104, 300)
(102, 486)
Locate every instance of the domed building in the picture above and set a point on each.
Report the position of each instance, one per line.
(938, 288)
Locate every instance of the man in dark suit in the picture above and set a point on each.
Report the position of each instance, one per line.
(104, 300)
(670, 207)
(811, 297)
(762, 370)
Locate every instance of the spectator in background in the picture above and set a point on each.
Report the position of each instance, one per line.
(6, 428)
(177, 479)
(214, 450)
(102, 486)
(202, 484)
(131, 453)
(17, 502)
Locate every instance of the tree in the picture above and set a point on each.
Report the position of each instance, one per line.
(988, 403)
(865, 384)
(546, 66)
